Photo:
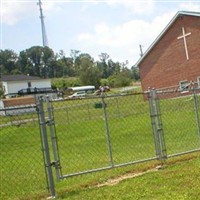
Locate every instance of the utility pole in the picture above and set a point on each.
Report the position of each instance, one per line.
(141, 52)
(44, 35)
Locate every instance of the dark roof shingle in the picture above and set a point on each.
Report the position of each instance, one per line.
(18, 77)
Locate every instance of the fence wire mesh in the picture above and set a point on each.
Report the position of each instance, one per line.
(109, 131)
(180, 118)
(91, 134)
(21, 162)
(103, 132)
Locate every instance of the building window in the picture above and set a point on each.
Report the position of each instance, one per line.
(184, 86)
(29, 84)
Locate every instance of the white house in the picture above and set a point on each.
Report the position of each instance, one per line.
(13, 85)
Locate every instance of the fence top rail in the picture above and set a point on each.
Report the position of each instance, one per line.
(181, 92)
(190, 87)
(101, 96)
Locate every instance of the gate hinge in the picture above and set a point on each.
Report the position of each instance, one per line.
(49, 122)
(55, 164)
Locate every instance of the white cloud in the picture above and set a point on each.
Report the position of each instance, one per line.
(124, 39)
(135, 6)
(51, 6)
(15, 11)
(190, 6)
(12, 12)
(84, 37)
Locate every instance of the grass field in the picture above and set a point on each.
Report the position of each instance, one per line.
(82, 140)
(179, 179)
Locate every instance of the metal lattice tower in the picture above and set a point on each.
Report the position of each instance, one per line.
(44, 35)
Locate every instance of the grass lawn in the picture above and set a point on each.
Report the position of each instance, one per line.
(179, 179)
(83, 145)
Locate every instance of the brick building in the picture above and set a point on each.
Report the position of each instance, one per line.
(174, 57)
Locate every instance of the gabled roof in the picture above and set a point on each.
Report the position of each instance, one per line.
(179, 13)
(19, 77)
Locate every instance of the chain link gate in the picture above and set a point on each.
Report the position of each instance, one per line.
(48, 163)
(180, 118)
(60, 114)
(50, 145)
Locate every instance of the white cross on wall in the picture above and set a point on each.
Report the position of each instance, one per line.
(184, 39)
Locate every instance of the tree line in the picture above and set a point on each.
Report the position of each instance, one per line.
(45, 63)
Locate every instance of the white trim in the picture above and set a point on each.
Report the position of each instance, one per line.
(183, 85)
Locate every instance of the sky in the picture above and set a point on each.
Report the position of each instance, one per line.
(115, 27)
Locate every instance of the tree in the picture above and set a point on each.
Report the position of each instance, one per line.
(121, 79)
(43, 62)
(103, 66)
(64, 83)
(76, 61)
(67, 64)
(135, 73)
(113, 67)
(24, 64)
(8, 59)
(47, 69)
(1, 91)
(34, 55)
(38, 61)
(89, 73)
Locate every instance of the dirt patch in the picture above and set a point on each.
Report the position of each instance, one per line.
(116, 180)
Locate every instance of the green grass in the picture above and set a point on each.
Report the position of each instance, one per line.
(176, 180)
(22, 169)
(81, 132)
(82, 141)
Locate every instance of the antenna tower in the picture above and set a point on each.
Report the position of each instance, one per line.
(44, 35)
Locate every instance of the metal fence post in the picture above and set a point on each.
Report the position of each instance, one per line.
(156, 122)
(107, 131)
(196, 109)
(51, 124)
(160, 127)
(45, 147)
(153, 123)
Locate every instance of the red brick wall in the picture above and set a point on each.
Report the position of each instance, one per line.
(166, 64)
(20, 101)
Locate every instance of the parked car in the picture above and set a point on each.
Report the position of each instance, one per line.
(80, 94)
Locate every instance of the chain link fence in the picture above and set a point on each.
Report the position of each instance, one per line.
(180, 118)
(102, 132)
(21, 161)
(111, 131)
(86, 135)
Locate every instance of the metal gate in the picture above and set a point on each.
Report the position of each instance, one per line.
(95, 134)
(98, 130)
